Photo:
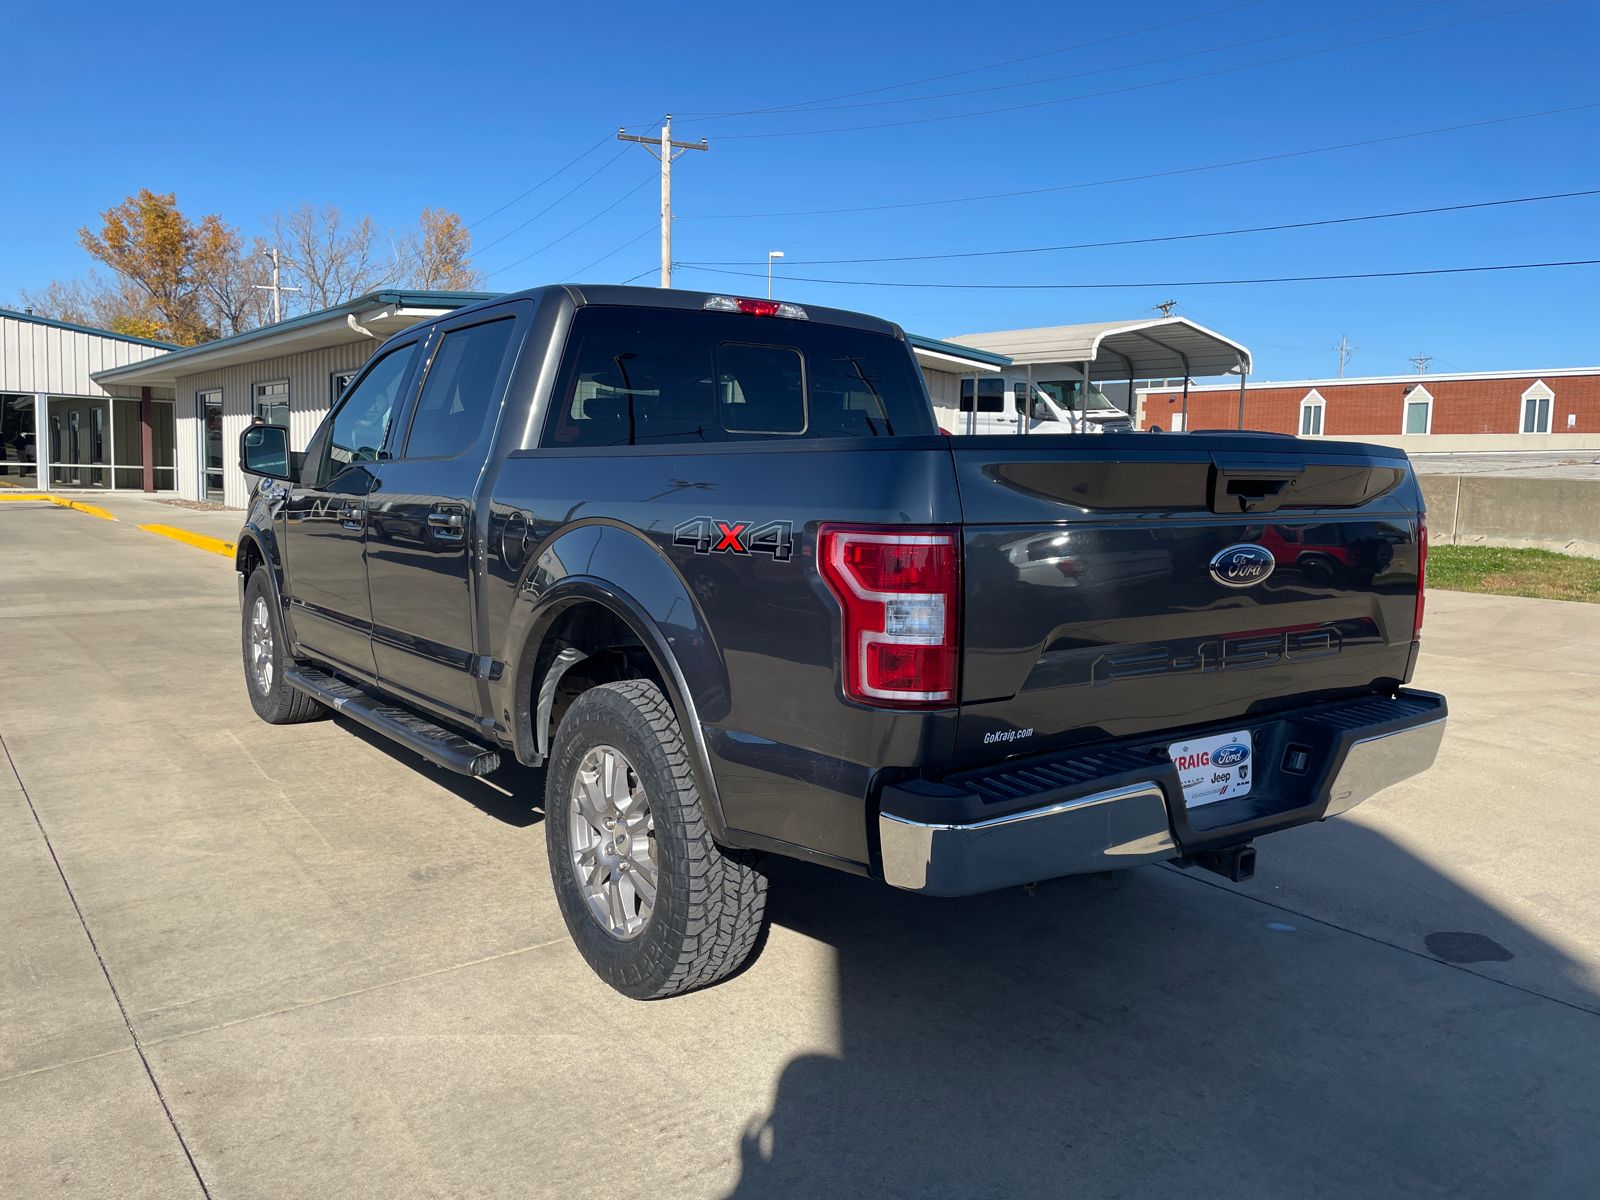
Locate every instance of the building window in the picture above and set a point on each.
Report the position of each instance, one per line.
(1311, 410)
(1536, 404)
(337, 383)
(991, 397)
(271, 402)
(1418, 411)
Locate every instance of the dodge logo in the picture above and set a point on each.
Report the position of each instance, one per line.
(1242, 566)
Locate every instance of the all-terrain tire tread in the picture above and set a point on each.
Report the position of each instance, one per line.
(712, 934)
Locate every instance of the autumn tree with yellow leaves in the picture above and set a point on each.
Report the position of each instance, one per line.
(186, 282)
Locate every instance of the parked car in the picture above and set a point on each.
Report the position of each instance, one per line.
(712, 564)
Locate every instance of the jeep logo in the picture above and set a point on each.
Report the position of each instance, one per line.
(1242, 566)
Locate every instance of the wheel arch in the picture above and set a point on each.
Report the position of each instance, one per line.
(629, 615)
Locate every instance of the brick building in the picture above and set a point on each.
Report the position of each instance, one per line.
(1494, 410)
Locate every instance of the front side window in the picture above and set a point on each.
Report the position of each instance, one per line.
(645, 376)
(459, 390)
(361, 422)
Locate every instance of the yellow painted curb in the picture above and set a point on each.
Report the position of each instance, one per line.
(92, 509)
(215, 545)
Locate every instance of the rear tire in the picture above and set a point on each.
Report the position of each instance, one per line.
(265, 654)
(621, 808)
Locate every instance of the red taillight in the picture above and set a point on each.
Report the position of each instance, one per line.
(900, 590)
(1422, 574)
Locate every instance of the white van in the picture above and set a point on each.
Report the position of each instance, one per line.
(992, 404)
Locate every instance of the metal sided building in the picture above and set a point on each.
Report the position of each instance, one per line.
(288, 373)
(59, 427)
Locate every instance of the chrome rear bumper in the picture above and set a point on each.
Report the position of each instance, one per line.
(1375, 763)
(1120, 804)
(1123, 827)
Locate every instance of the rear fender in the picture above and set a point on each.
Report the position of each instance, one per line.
(614, 567)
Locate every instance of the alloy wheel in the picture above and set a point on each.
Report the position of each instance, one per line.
(261, 646)
(612, 841)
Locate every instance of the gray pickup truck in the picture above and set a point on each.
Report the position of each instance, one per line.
(711, 562)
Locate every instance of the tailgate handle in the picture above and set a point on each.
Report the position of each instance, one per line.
(1240, 484)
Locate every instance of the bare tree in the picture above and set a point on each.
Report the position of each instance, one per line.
(91, 302)
(228, 278)
(331, 260)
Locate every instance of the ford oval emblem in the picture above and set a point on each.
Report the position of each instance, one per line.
(1242, 566)
(1229, 756)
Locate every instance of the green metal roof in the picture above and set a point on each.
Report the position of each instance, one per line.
(400, 297)
(105, 333)
(957, 351)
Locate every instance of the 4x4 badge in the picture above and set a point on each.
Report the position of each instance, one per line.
(709, 535)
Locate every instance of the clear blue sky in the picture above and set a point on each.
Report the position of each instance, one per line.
(382, 110)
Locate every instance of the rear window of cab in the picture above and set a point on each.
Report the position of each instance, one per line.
(650, 377)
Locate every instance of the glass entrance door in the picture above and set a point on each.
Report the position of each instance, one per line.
(211, 444)
(19, 443)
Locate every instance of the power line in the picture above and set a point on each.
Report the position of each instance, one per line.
(1176, 237)
(802, 104)
(1149, 62)
(573, 230)
(546, 208)
(541, 183)
(1069, 287)
(1137, 87)
(1069, 187)
(648, 229)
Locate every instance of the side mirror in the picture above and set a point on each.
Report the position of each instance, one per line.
(264, 450)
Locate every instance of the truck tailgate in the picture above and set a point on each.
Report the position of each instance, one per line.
(1096, 606)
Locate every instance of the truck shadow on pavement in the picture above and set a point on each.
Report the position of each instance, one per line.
(1147, 1034)
(514, 794)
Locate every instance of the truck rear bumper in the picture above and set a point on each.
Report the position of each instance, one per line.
(1120, 827)
(1122, 805)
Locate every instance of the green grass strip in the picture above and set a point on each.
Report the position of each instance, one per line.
(1502, 572)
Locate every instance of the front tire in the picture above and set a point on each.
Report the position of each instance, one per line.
(653, 904)
(265, 654)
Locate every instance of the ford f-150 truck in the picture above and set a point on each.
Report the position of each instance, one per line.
(711, 562)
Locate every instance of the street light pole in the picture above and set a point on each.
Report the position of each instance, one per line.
(771, 254)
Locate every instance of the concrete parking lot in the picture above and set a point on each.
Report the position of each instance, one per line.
(247, 961)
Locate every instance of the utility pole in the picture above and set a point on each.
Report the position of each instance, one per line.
(1345, 350)
(666, 156)
(1421, 361)
(1166, 307)
(277, 292)
(771, 254)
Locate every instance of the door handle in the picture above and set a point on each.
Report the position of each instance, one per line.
(351, 516)
(448, 524)
(447, 520)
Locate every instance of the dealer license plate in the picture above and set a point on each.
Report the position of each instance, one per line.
(1214, 768)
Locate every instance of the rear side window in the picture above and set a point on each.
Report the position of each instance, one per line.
(459, 390)
(644, 377)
